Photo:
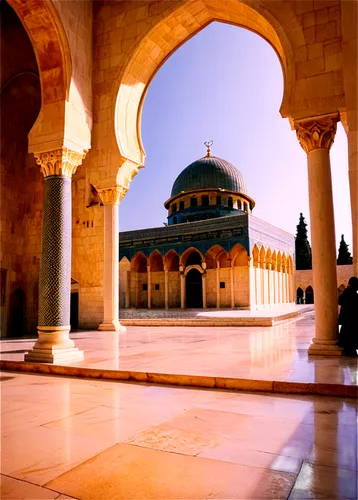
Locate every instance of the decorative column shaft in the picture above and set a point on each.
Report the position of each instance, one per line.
(128, 291)
(232, 294)
(166, 290)
(316, 137)
(149, 286)
(54, 343)
(182, 287)
(111, 198)
(204, 290)
(218, 285)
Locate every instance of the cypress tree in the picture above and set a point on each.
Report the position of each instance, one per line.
(344, 255)
(302, 246)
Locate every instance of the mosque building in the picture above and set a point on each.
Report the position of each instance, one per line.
(213, 253)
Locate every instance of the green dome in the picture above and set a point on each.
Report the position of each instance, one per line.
(209, 172)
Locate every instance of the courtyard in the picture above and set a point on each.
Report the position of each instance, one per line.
(77, 436)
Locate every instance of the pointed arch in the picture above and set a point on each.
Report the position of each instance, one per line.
(279, 261)
(239, 255)
(139, 263)
(255, 255)
(268, 260)
(171, 261)
(155, 261)
(274, 260)
(262, 256)
(191, 252)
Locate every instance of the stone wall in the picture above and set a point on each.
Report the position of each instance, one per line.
(21, 192)
(304, 278)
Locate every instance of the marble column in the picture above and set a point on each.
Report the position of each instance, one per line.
(166, 290)
(136, 290)
(54, 344)
(111, 197)
(182, 290)
(204, 290)
(232, 294)
(316, 136)
(217, 285)
(128, 291)
(149, 287)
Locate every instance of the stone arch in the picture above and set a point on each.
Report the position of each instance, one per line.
(213, 255)
(284, 263)
(255, 255)
(299, 295)
(290, 264)
(50, 44)
(309, 295)
(193, 266)
(171, 261)
(280, 30)
(239, 255)
(262, 257)
(268, 262)
(139, 263)
(279, 262)
(156, 261)
(190, 251)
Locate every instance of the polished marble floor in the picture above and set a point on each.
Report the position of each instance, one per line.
(82, 439)
(276, 353)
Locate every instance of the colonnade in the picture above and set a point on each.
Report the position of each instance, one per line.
(315, 135)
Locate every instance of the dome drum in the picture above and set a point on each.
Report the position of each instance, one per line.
(208, 188)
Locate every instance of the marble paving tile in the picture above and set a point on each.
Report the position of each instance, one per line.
(131, 472)
(42, 454)
(316, 481)
(199, 431)
(13, 489)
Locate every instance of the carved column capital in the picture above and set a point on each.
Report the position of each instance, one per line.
(62, 161)
(113, 195)
(316, 133)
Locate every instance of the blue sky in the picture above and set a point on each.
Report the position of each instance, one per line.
(226, 84)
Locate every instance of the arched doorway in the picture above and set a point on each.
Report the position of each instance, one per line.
(299, 296)
(309, 295)
(194, 289)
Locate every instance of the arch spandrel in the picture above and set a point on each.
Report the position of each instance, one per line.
(182, 21)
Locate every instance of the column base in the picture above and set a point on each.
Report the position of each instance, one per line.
(54, 356)
(111, 326)
(54, 345)
(324, 349)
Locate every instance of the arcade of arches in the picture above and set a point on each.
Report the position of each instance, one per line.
(219, 279)
(73, 79)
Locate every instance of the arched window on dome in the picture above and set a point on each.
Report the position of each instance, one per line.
(218, 200)
(230, 202)
(239, 204)
(193, 201)
(174, 207)
(205, 200)
(181, 205)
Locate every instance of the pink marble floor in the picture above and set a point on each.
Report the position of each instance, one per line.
(66, 438)
(276, 353)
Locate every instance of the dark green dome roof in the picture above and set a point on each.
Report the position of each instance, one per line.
(209, 172)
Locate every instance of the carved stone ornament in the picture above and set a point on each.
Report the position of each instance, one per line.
(316, 133)
(62, 161)
(113, 195)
